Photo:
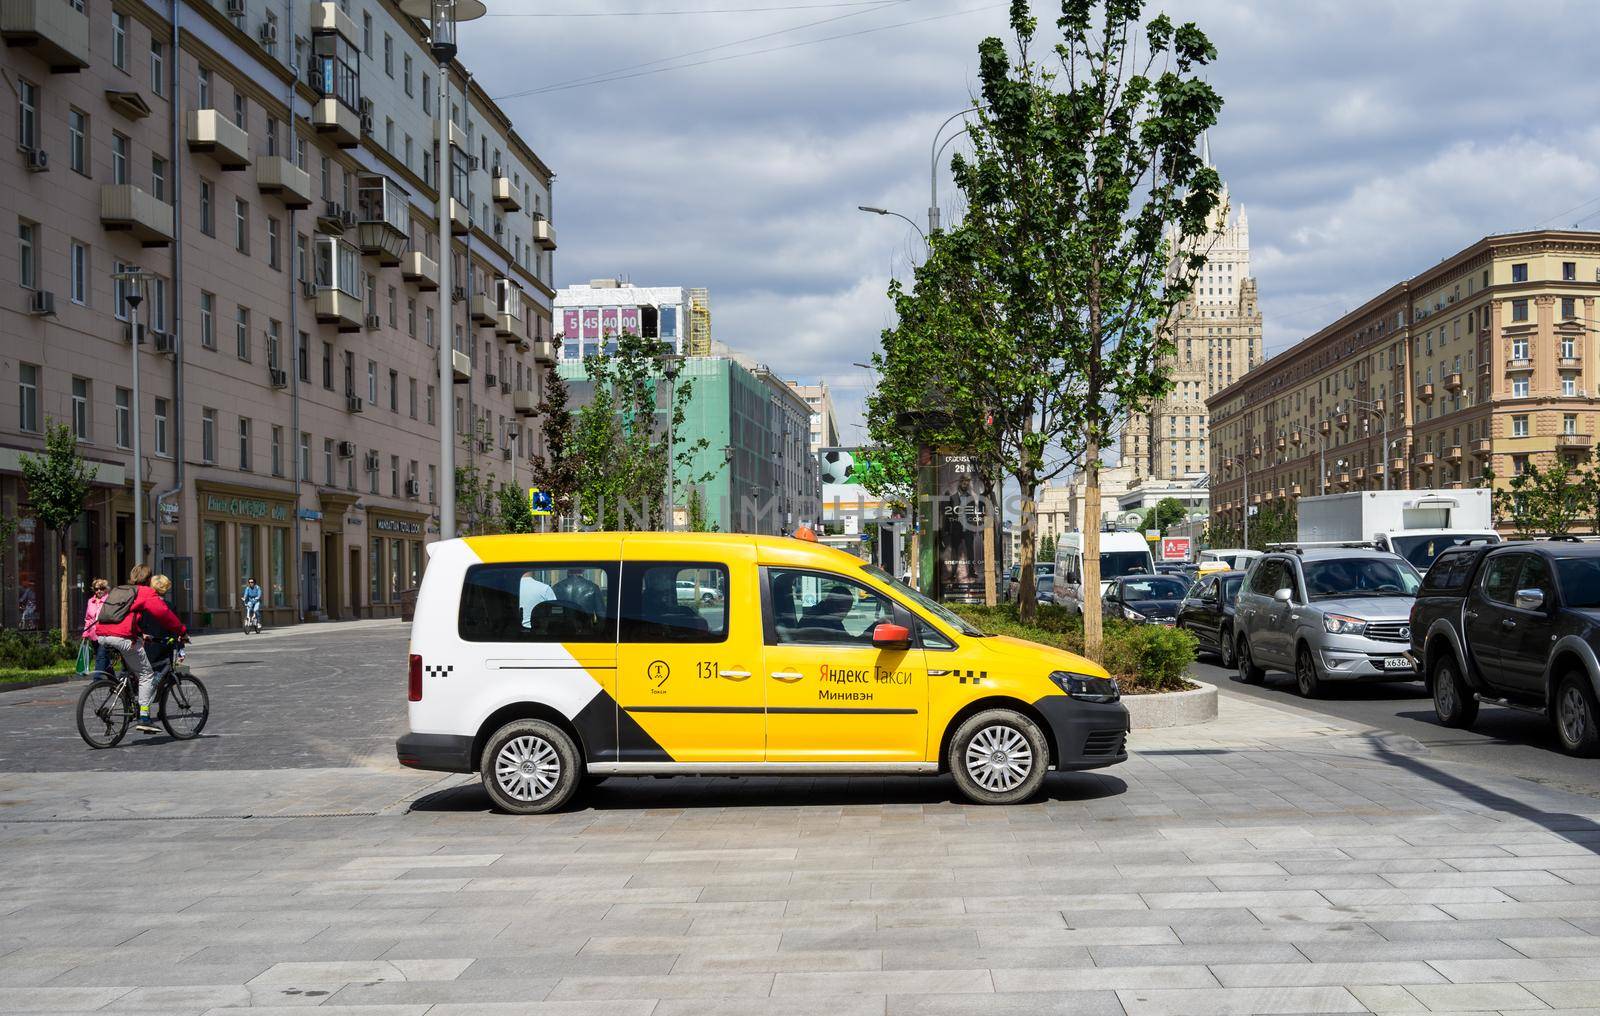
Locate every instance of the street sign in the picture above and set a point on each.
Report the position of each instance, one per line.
(539, 502)
(1174, 548)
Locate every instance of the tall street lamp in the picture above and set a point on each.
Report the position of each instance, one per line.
(442, 17)
(671, 363)
(933, 162)
(885, 211)
(132, 281)
(1376, 408)
(1244, 469)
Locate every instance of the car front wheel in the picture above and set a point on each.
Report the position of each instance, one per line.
(1225, 648)
(1249, 673)
(1453, 701)
(531, 767)
(1577, 717)
(999, 757)
(1305, 674)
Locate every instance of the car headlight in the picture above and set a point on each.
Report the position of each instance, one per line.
(1087, 688)
(1341, 624)
(1129, 614)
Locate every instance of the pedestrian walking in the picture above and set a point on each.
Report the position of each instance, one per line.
(98, 590)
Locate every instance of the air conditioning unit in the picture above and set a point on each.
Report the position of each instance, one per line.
(352, 403)
(166, 342)
(332, 218)
(505, 388)
(268, 33)
(279, 378)
(309, 287)
(235, 8)
(413, 488)
(491, 380)
(366, 107)
(38, 160)
(374, 321)
(371, 462)
(458, 294)
(348, 220)
(42, 302)
(347, 449)
(366, 124)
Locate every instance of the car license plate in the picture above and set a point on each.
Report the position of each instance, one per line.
(1396, 663)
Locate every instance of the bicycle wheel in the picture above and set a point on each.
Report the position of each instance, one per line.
(185, 707)
(104, 712)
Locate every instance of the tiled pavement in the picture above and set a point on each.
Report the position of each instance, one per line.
(1267, 863)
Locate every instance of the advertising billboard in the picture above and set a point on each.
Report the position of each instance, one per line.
(591, 323)
(961, 503)
(569, 324)
(630, 320)
(1174, 548)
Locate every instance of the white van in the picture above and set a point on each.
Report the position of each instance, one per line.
(1120, 554)
(1235, 559)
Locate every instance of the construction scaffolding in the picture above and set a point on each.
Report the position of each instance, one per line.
(699, 323)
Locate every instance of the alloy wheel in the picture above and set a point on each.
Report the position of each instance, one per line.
(527, 768)
(999, 758)
(1573, 714)
(1444, 692)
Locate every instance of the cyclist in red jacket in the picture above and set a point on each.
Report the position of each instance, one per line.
(144, 613)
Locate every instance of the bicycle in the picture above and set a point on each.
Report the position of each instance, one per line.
(109, 706)
(252, 618)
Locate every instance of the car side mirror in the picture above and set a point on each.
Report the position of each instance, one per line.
(1284, 595)
(1529, 599)
(891, 636)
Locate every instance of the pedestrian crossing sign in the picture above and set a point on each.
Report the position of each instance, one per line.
(539, 502)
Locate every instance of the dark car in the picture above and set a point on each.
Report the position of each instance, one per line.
(1045, 588)
(1144, 599)
(1208, 612)
(1515, 624)
(1042, 571)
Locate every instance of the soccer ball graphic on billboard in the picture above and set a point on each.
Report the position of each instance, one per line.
(838, 464)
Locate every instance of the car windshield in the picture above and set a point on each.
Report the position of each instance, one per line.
(1116, 563)
(933, 607)
(1580, 582)
(1157, 587)
(1360, 576)
(1421, 550)
(1044, 583)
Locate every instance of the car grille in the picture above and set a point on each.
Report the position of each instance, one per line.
(1104, 743)
(1389, 631)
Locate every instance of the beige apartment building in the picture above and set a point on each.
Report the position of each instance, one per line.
(1484, 360)
(271, 164)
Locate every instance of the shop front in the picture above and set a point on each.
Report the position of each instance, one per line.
(394, 558)
(245, 532)
(98, 545)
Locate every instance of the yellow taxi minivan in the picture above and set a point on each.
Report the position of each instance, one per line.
(547, 661)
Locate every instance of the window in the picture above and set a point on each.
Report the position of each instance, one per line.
(27, 397)
(1519, 425)
(78, 140)
(119, 158)
(427, 96)
(1569, 271)
(241, 226)
(327, 366)
(271, 41)
(366, 33)
(1519, 348)
(429, 403)
(1569, 308)
(241, 111)
(244, 443)
(1569, 348)
(1500, 577)
(305, 455)
(302, 354)
(124, 417)
(208, 320)
(1519, 388)
(405, 68)
(274, 344)
(208, 224)
(119, 40)
(161, 426)
(1569, 423)
(1519, 310)
(411, 317)
(327, 460)
(27, 114)
(394, 476)
(202, 91)
(158, 177)
(80, 408)
(158, 67)
(394, 391)
(27, 254)
(568, 602)
(1569, 384)
(241, 333)
(277, 451)
(208, 436)
(372, 382)
(668, 602)
(388, 54)
(816, 608)
(411, 396)
(1519, 272)
(394, 298)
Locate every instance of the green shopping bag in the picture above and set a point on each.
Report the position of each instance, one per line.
(85, 657)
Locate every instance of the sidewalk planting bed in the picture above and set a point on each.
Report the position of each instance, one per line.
(1144, 658)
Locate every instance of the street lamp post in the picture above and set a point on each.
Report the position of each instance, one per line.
(885, 211)
(442, 17)
(133, 278)
(1244, 471)
(933, 164)
(671, 363)
(1376, 407)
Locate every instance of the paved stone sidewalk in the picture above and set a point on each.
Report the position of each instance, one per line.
(1268, 863)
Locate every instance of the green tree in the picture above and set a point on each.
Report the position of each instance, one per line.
(558, 469)
(1545, 502)
(58, 487)
(1047, 549)
(1169, 511)
(1085, 162)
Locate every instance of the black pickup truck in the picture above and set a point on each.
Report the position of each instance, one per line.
(1514, 624)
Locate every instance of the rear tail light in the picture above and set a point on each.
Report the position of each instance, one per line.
(414, 684)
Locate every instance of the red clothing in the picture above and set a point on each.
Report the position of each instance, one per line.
(146, 603)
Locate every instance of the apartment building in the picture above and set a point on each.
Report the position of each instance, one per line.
(593, 315)
(1485, 360)
(271, 165)
(824, 429)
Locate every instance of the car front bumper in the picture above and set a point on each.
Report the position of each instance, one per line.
(1358, 658)
(1087, 735)
(442, 753)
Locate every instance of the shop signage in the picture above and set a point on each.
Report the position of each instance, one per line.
(310, 515)
(384, 525)
(246, 507)
(169, 512)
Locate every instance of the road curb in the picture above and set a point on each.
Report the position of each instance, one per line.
(41, 683)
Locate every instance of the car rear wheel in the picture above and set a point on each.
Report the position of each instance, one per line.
(1305, 674)
(1577, 717)
(1453, 701)
(1249, 673)
(531, 767)
(999, 757)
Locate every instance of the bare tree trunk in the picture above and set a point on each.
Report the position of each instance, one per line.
(1027, 588)
(1091, 552)
(991, 595)
(61, 545)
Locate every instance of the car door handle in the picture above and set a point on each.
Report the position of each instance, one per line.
(1471, 615)
(734, 675)
(1507, 623)
(787, 676)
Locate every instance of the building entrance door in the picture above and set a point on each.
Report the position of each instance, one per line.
(330, 577)
(310, 583)
(355, 582)
(124, 548)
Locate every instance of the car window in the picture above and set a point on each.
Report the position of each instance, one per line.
(1580, 582)
(1230, 588)
(1422, 550)
(1500, 577)
(1339, 578)
(1204, 589)
(1535, 574)
(1266, 579)
(1114, 563)
(539, 602)
(820, 608)
(930, 637)
(661, 602)
(1156, 587)
(1450, 571)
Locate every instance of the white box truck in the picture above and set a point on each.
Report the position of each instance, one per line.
(1416, 524)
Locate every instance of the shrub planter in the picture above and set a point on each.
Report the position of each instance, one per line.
(1172, 708)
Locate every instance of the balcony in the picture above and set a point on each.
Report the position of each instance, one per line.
(338, 283)
(226, 142)
(544, 352)
(1484, 370)
(504, 194)
(383, 218)
(1344, 421)
(1294, 490)
(277, 175)
(1398, 465)
(544, 234)
(461, 365)
(125, 208)
(1519, 363)
(460, 218)
(1342, 479)
(1482, 446)
(1281, 443)
(57, 33)
(1295, 438)
(1569, 362)
(326, 16)
(339, 122)
(1452, 382)
(1325, 427)
(1360, 473)
(482, 308)
(336, 307)
(417, 267)
(1280, 494)
(508, 323)
(1425, 392)
(1425, 460)
(525, 403)
(1452, 454)
(1574, 442)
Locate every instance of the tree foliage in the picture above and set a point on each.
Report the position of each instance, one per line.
(1547, 502)
(559, 468)
(58, 487)
(1169, 511)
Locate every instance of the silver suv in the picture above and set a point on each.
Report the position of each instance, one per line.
(1327, 614)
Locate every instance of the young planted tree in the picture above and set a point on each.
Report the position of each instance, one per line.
(58, 487)
(558, 469)
(1086, 159)
(1545, 502)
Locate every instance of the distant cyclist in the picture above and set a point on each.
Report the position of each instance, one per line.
(130, 612)
(252, 603)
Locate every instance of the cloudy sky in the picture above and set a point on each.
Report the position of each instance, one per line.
(1366, 139)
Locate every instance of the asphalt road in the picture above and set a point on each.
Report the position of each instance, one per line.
(1509, 741)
